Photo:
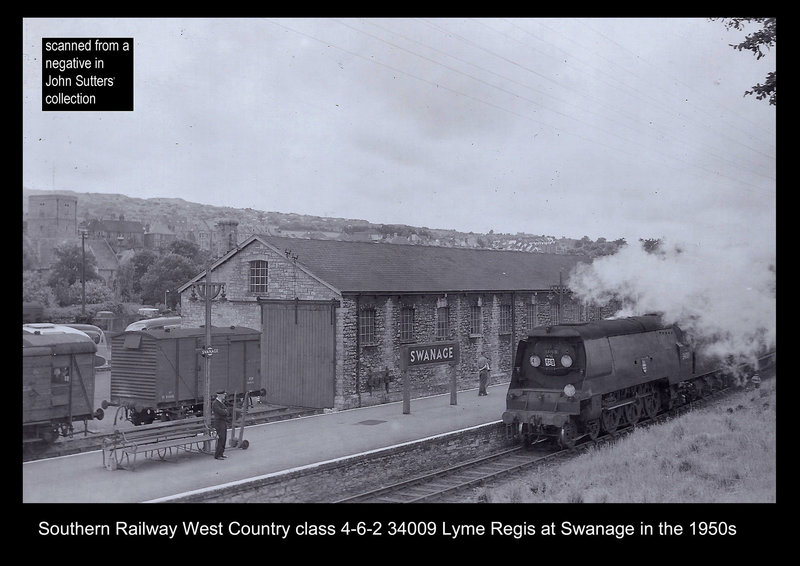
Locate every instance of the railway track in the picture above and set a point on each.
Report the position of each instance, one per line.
(439, 485)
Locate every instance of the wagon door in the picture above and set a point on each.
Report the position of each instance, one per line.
(298, 344)
(244, 360)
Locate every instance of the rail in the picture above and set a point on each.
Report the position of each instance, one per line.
(161, 440)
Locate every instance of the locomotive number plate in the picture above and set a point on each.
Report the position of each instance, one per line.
(551, 362)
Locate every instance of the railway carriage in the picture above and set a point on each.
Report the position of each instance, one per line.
(584, 379)
(160, 373)
(58, 382)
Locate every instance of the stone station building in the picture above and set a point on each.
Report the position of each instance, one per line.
(334, 316)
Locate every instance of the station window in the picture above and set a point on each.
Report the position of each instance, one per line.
(505, 319)
(533, 315)
(366, 326)
(258, 276)
(443, 323)
(475, 320)
(407, 324)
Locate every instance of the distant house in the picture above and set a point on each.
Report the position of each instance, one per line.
(106, 261)
(120, 234)
(158, 235)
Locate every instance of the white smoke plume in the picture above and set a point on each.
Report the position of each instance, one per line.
(723, 296)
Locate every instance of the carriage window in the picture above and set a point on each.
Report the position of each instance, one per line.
(60, 375)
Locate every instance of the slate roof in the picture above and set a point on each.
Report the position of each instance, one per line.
(105, 257)
(364, 267)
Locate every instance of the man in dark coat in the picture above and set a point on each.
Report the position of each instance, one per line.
(483, 373)
(220, 414)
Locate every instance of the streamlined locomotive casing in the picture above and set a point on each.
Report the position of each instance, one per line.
(573, 372)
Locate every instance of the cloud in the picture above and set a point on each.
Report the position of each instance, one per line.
(724, 296)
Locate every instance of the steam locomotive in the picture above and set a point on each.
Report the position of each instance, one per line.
(585, 379)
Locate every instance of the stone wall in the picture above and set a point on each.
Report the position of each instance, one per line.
(285, 281)
(371, 373)
(329, 482)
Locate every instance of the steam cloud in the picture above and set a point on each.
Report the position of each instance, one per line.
(724, 298)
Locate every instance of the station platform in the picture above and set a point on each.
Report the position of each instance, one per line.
(272, 447)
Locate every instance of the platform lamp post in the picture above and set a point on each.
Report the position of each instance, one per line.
(208, 291)
(84, 233)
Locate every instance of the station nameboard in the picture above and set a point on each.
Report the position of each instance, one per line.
(428, 354)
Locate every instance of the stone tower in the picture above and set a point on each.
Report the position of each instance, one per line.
(52, 216)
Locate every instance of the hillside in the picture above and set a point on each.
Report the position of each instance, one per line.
(177, 212)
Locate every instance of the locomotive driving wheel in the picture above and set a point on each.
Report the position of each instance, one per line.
(633, 412)
(651, 405)
(610, 420)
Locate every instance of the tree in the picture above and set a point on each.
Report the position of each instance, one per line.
(131, 272)
(187, 249)
(29, 259)
(96, 292)
(36, 290)
(166, 274)
(765, 37)
(69, 265)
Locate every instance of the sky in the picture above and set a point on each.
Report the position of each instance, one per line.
(632, 128)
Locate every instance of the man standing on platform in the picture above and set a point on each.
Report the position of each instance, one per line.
(220, 414)
(483, 370)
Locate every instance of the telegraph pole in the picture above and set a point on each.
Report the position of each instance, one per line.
(208, 353)
(84, 232)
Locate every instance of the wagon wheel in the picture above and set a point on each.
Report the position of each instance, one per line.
(651, 405)
(593, 428)
(568, 435)
(49, 434)
(633, 412)
(610, 420)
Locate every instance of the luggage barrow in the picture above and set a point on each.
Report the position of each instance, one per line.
(242, 413)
